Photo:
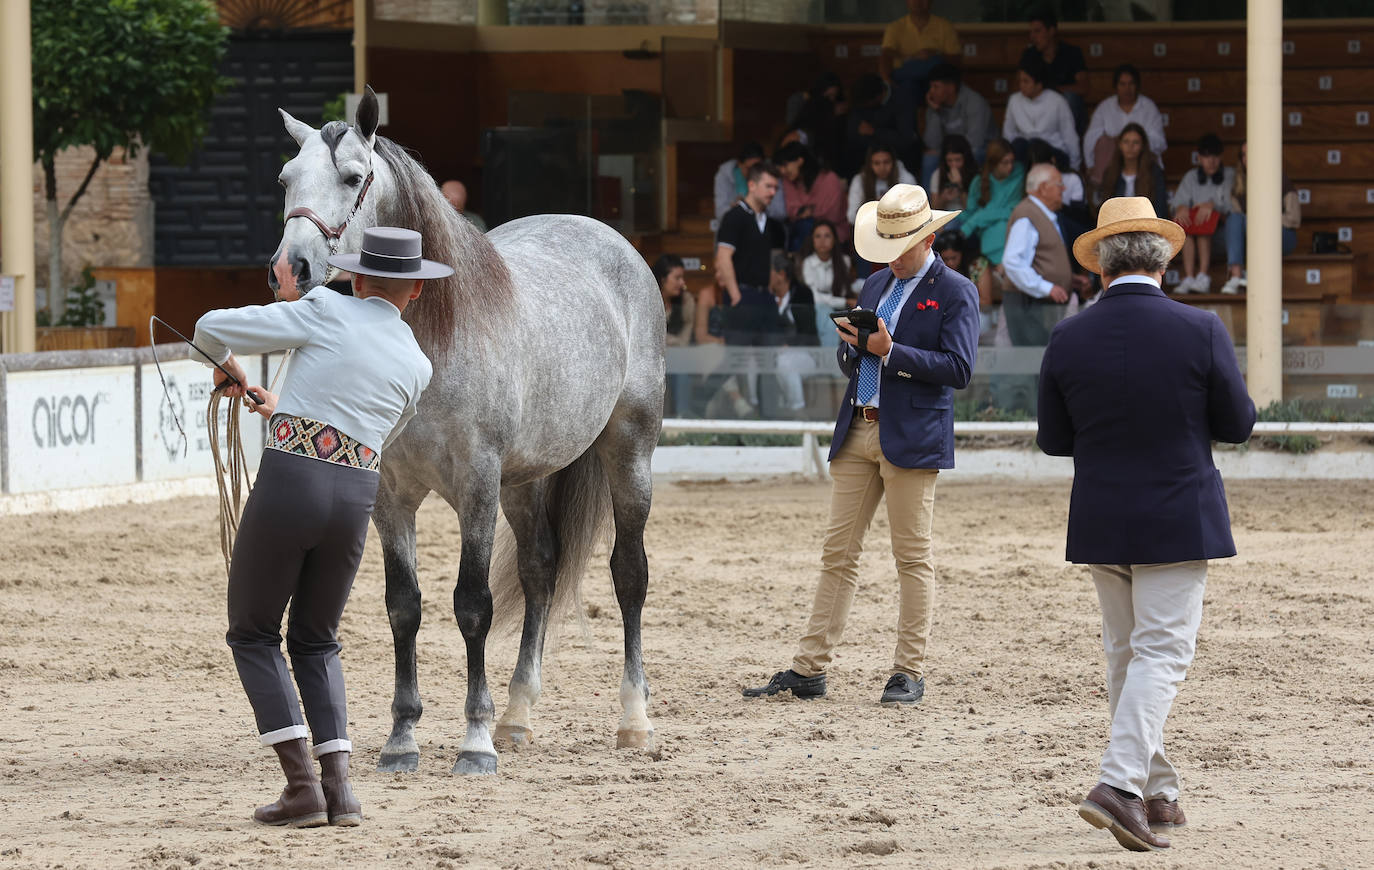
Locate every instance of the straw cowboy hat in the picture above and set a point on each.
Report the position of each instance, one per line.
(891, 226)
(390, 252)
(1124, 214)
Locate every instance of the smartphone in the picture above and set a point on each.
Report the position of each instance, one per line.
(859, 318)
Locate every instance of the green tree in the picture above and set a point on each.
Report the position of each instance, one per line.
(118, 74)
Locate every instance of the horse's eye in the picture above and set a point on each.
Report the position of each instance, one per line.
(355, 180)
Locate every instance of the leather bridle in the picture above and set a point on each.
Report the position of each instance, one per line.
(332, 234)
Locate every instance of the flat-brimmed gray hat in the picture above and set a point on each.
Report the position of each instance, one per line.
(390, 252)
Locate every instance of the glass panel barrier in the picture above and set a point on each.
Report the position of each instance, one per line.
(612, 12)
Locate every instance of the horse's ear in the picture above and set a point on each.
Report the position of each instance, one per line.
(365, 121)
(299, 130)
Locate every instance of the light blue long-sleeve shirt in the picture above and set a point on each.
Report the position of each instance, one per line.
(356, 364)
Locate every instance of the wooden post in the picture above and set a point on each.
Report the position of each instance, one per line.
(1264, 201)
(16, 173)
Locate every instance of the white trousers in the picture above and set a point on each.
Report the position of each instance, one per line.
(1150, 618)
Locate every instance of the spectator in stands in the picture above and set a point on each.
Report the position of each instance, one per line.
(948, 184)
(456, 192)
(1235, 227)
(730, 184)
(679, 308)
(812, 192)
(876, 117)
(826, 271)
(822, 118)
(881, 170)
(1202, 200)
(796, 328)
(953, 108)
(743, 250)
(961, 254)
(991, 198)
(913, 46)
(1132, 171)
(1075, 204)
(1037, 261)
(1036, 112)
(1112, 115)
(1066, 71)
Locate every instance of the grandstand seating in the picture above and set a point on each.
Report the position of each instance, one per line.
(1196, 73)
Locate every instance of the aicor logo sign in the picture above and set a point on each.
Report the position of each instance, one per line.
(61, 421)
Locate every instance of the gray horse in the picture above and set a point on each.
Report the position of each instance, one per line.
(547, 399)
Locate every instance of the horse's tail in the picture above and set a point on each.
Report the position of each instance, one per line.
(578, 503)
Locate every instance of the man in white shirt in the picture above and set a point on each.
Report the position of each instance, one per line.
(354, 381)
(1037, 263)
(1037, 112)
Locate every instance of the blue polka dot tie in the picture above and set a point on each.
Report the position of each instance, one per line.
(868, 363)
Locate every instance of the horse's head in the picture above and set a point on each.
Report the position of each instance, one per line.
(327, 199)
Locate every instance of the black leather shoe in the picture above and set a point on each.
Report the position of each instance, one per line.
(790, 681)
(902, 689)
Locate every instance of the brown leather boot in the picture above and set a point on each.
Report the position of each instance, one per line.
(301, 804)
(344, 809)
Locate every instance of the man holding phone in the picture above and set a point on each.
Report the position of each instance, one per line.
(895, 431)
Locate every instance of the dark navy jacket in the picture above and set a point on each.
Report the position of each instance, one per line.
(1135, 389)
(932, 355)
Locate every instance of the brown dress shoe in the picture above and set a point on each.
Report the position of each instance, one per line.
(301, 804)
(344, 809)
(1124, 817)
(1164, 814)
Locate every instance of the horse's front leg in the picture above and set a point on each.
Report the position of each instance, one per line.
(537, 559)
(395, 521)
(472, 609)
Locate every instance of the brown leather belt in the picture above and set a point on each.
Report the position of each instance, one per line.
(868, 414)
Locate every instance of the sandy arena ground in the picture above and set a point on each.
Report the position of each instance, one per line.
(125, 740)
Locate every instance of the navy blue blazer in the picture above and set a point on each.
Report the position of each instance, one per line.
(1136, 388)
(932, 355)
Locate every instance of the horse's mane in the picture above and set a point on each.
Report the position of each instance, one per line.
(462, 302)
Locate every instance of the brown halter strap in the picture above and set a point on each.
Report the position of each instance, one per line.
(333, 234)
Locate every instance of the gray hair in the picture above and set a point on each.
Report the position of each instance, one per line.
(1038, 175)
(1134, 252)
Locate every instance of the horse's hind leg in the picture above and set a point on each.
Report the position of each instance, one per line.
(537, 558)
(395, 520)
(625, 449)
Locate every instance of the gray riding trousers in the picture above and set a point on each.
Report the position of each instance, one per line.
(300, 541)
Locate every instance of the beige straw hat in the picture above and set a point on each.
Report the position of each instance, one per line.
(1124, 214)
(891, 226)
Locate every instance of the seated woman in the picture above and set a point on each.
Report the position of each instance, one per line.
(949, 183)
(1132, 171)
(1203, 198)
(812, 192)
(1112, 116)
(826, 271)
(796, 329)
(962, 255)
(991, 197)
(880, 171)
(1235, 227)
(679, 307)
(1038, 112)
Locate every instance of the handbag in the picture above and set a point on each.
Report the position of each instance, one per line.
(1327, 243)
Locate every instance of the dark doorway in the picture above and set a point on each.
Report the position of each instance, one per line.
(223, 208)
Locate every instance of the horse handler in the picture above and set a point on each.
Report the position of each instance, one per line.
(1135, 388)
(354, 380)
(894, 433)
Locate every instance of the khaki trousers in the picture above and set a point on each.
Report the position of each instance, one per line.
(862, 476)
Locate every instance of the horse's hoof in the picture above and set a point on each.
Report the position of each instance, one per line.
(634, 739)
(399, 762)
(515, 736)
(475, 764)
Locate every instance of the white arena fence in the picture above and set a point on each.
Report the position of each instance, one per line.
(99, 418)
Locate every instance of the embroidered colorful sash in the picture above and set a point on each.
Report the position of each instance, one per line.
(319, 441)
